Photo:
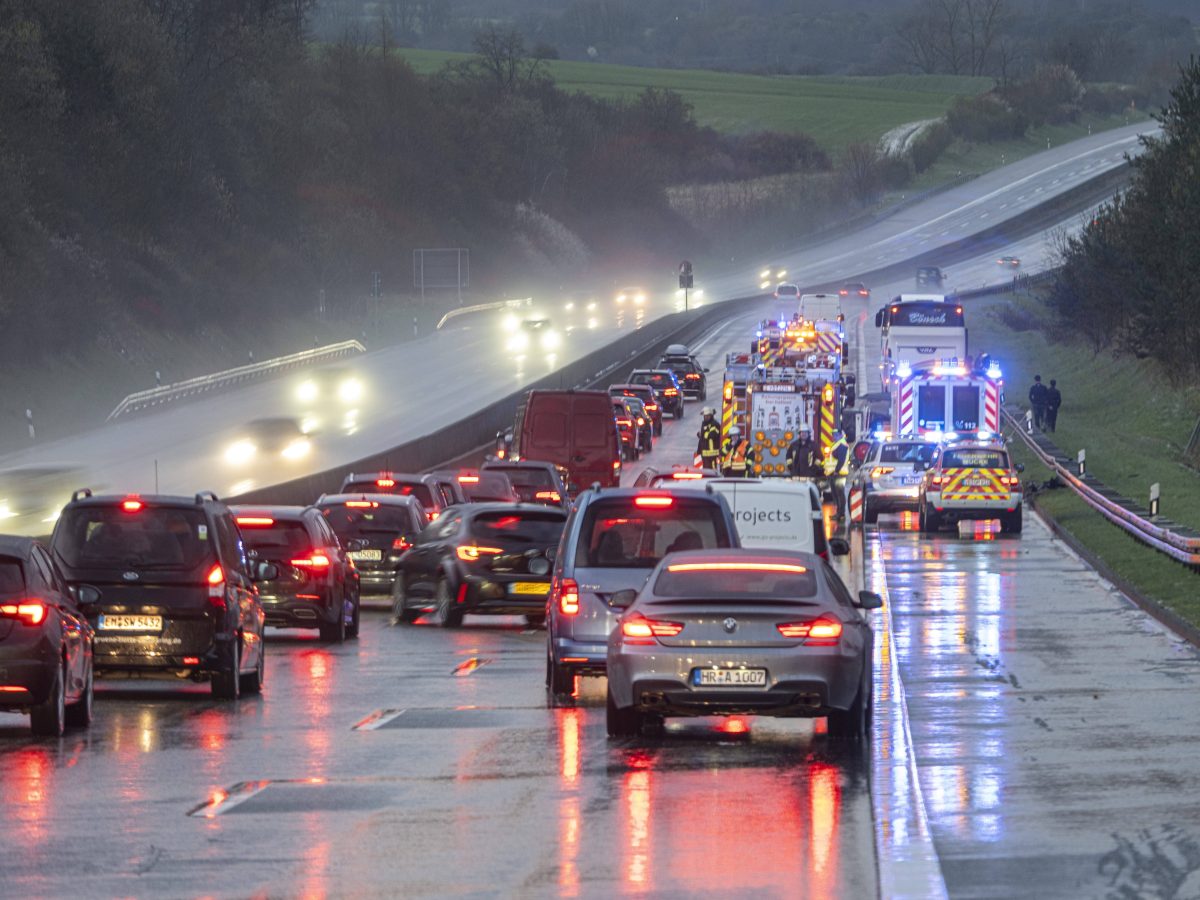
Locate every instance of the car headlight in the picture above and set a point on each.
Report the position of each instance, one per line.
(307, 391)
(518, 342)
(350, 390)
(240, 452)
(296, 449)
(510, 323)
(550, 340)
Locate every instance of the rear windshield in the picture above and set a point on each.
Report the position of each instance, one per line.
(278, 540)
(488, 487)
(534, 528)
(659, 381)
(619, 534)
(151, 538)
(974, 459)
(349, 522)
(12, 578)
(417, 489)
(789, 289)
(916, 452)
(705, 581)
(528, 482)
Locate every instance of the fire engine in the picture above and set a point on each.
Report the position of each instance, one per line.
(738, 369)
(780, 402)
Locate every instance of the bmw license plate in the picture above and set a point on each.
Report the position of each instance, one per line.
(130, 623)
(530, 588)
(366, 555)
(729, 677)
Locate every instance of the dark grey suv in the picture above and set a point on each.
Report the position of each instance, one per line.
(612, 541)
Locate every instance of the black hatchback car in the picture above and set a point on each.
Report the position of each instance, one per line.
(534, 481)
(486, 558)
(45, 641)
(166, 585)
(690, 374)
(381, 526)
(666, 387)
(317, 585)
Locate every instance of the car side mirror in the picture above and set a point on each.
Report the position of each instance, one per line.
(839, 546)
(86, 594)
(265, 571)
(869, 600)
(623, 599)
(1020, 467)
(706, 371)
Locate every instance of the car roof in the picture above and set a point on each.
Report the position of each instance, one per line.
(284, 513)
(629, 387)
(375, 476)
(500, 465)
(381, 499)
(626, 493)
(475, 509)
(744, 556)
(16, 546)
(200, 499)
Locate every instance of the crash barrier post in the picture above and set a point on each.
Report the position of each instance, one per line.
(203, 384)
(1175, 541)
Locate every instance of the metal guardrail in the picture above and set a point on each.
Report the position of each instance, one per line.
(203, 384)
(483, 307)
(1184, 548)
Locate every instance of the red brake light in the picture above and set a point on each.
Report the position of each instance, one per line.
(468, 479)
(132, 505)
(639, 630)
(255, 521)
(844, 292)
(820, 632)
(738, 567)
(566, 595)
(216, 586)
(686, 476)
(671, 392)
(401, 543)
(216, 575)
(882, 470)
(548, 495)
(471, 553)
(627, 423)
(653, 502)
(939, 479)
(28, 612)
(315, 560)
(652, 406)
(385, 482)
(362, 504)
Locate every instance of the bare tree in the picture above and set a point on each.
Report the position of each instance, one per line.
(953, 36)
(501, 56)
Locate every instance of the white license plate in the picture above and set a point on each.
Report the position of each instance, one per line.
(366, 555)
(729, 677)
(130, 623)
(911, 479)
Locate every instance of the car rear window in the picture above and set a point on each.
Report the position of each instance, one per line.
(914, 452)
(349, 522)
(789, 290)
(710, 581)
(149, 538)
(619, 534)
(659, 381)
(12, 576)
(417, 489)
(534, 528)
(283, 538)
(528, 482)
(974, 459)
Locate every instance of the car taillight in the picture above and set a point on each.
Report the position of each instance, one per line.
(216, 586)
(822, 632)
(132, 505)
(616, 465)
(386, 483)
(671, 392)
(552, 496)
(864, 293)
(686, 476)
(844, 293)
(316, 561)
(401, 543)
(939, 479)
(255, 521)
(880, 471)
(468, 479)
(27, 612)
(637, 629)
(565, 594)
(362, 504)
(472, 553)
(653, 407)
(691, 375)
(653, 502)
(626, 423)
(1010, 480)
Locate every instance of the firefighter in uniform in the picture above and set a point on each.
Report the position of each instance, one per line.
(708, 447)
(737, 454)
(837, 467)
(800, 455)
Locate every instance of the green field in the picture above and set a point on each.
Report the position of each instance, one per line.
(834, 110)
(1133, 425)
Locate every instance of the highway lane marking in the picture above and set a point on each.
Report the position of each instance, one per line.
(378, 719)
(222, 801)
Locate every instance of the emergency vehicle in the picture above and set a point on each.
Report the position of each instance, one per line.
(917, 328)
(945, 396)
(781, 401)
(971, 478)
(738, 369)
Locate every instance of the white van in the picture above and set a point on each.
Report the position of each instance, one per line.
(818, 307)
(773, 513)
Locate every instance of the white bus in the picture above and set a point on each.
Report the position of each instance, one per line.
(917, 328)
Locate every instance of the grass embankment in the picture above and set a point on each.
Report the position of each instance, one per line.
(835, 111)
(1134, 426)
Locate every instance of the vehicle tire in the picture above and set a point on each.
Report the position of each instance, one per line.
(228, 685)
(929, 521)
(253, 683)
(855, 722)
(870, 513)
(621, 722)
(1012, 522)
(399, 598)
(49, 718)
(335, 632)
(560, 684)
(79, 713)
(449, 616)
(355, 618)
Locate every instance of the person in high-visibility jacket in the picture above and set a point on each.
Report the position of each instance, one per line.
(708, 446)
(738, 455)
(837, 467)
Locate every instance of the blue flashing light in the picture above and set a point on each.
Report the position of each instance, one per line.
(994, 373)
(904, 370)
(783, 323)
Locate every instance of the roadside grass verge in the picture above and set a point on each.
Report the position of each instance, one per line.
(835, 111)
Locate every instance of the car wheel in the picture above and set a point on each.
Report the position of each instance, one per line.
(1012, 522)
(253, 683)
(870, 513)
(49, 718)
(400, 614)
(355, 618)
(449, 616)
(227, 685)
(560, 684)
(855, 722)
(621, 722)
(335, 632)
(79, 713)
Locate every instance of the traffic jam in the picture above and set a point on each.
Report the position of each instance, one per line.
(678, 553)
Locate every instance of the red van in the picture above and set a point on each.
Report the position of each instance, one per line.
(574, 429)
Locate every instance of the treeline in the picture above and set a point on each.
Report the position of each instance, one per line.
(1130, 281)
(185, 163)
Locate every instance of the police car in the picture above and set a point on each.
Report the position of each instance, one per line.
(889, 476)
(971, 478)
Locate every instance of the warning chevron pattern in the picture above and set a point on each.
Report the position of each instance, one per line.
(975, 484)
(856, 506)
(829, 342)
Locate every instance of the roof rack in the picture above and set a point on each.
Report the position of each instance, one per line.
(81, 494)
(207, 497)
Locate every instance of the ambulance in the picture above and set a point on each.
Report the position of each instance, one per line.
(946, 395)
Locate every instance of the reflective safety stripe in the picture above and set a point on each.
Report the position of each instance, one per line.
(856, 505)
(974, 484)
